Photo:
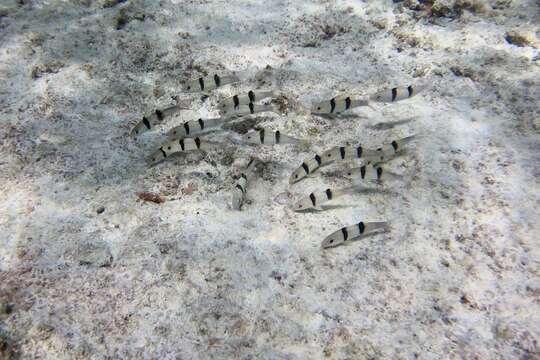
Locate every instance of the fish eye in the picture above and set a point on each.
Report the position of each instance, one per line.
(189, 87)
(296, 176)
(329, 155)
(319, 108)
(349, 173)
(331, 241)
(249, 136)
(169, 148)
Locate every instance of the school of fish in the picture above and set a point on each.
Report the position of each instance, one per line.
(188, 138)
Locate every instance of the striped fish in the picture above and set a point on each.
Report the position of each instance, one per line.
(153, 119)
(267, 136)
(381, 154)
(179, 145)
(317, 198)
(372, 173)
(397, 93)
(338, 105)
(248, 109)
(245, 99)
(193, 127)
(352, 232)
(240, 187)
(307, 167)
(340, 153)
(208, 83)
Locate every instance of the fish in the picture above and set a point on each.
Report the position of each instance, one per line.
(385, 152)
(266, 136)
(179, 145)
(348, 233)
(397, 93)
(370, 172)
(240, 187)
(193, 127)
(150, 121)
(208, 83)
(317, 198)
(307, 167)
(343, 103)
(245, 99)
(338, 105)
(248, 109)
(339, 153)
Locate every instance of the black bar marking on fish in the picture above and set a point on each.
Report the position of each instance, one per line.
(313, 200)
(186, 127)
(251, 96)
(163, 152)
(395, 145)
(217, 80)
(201, 83)
(278, 137)
(238, 186)
(181, 142)
(318, 159)
(243, 175)
(146, 123)
(379, 173)
(249, 163)
(363, 172)
(332, 105)
(342, 152)
(411, 90)
(306, 168)
(261, 135)
(201, 123)
(359, 151)
(251, 108)
(159, 114)
(394, 94)
(347, 103)
(345, 233)
(329, 194)
(361, 227)
(236, 101)
(198, 142)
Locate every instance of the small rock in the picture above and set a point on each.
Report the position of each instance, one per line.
(6, 308)
(100, 210)
(48, 68)
(521, 40)
(94, 253)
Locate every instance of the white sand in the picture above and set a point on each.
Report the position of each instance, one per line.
(457, 277)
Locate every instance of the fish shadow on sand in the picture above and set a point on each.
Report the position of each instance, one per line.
(390, 125)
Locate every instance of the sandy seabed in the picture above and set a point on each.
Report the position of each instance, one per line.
(89, 271)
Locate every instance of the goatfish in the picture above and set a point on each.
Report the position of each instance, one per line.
(338, 104)
(208, 83)
(245, 99)
(153, 119)
(372, 173)
(267, 136)
(240, 187)
(352, 232)
(317, 198)
(179, 145)
(248, 109)
(346, 153)
(380, 154)
(193, 127)
(397, 93)
(343, 103)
